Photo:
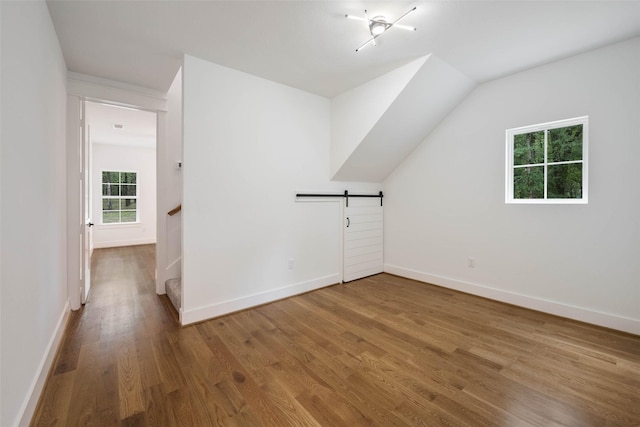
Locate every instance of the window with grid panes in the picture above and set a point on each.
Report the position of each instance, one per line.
(119, 197)
(547, 163)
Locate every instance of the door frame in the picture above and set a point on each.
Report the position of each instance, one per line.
(87, 88)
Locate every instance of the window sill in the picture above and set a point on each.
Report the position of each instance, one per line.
(547, 202)
(120, 225)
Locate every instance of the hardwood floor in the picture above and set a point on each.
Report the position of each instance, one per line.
(380, 351)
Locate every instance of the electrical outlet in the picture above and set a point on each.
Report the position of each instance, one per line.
(471, 262)
(292, 263)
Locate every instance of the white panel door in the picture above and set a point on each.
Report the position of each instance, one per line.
(363, 239)
(85, 207)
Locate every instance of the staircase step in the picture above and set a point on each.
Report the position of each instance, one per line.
(173, 287)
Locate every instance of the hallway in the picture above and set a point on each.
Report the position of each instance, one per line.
(97, 379)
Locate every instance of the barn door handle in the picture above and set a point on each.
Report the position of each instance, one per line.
(348, 222)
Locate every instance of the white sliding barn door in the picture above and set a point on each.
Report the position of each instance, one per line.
(363, 238)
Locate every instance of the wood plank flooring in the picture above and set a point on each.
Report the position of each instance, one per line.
(381, 351)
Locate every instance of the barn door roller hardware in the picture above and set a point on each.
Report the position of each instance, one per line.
(346, 196)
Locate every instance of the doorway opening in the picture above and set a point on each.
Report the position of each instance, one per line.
(119, 181)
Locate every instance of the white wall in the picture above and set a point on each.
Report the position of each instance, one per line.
(170, 189)
(249, 146)
(33, 177)
(1, 139)
(446, 201)
(142, 160)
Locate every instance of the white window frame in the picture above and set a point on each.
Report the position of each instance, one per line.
(511, 133)
(121, 197)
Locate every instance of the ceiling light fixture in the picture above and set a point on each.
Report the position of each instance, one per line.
(379, 24)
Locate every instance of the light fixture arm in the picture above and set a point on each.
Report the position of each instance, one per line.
(373, 37)
(403, 16)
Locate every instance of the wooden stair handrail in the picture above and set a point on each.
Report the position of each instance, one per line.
(175, 210)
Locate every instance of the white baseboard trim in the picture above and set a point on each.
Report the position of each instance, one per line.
(29, 406)
(119, 243)
(225, 307)
(607, 320)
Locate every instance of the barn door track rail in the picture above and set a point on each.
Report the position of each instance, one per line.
(346, 196)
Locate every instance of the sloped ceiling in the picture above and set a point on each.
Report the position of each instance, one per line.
(355, 112)
(311, 46)
(427, 96)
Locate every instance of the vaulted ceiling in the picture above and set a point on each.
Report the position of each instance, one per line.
(308, 44)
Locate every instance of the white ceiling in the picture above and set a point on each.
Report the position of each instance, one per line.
(309, 44)
(139, 127)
